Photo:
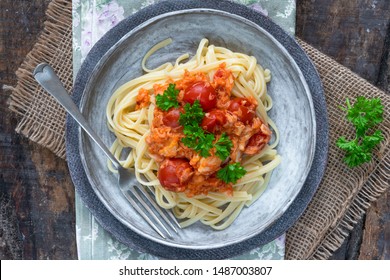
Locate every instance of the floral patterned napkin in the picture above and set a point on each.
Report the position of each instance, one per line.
(91, 20)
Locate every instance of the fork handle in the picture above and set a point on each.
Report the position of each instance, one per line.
(48, 79)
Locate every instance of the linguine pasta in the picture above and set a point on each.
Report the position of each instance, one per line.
(131, 127)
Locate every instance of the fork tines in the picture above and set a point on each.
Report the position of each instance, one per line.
(161, 220)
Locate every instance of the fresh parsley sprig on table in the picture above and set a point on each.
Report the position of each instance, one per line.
(364, 115)
(168, 99)
(231, 173)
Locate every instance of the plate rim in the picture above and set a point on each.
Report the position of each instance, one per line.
(279, 35)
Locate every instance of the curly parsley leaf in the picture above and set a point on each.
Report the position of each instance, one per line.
(205, 143)
(193, 114)
(231, 173)
(370, 141)
(364, 115)
(192, 133)
(198, 140)
(223, 146)
(168, 99)
(355, 155)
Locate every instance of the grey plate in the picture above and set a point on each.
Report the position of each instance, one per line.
(116, 58)
(293, 113)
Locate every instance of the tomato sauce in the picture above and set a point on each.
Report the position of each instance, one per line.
(143, 99)
(182, 169)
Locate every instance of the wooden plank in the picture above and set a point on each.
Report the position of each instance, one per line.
(37, 195)
(352, 32)
(20, 22)
(376, 237)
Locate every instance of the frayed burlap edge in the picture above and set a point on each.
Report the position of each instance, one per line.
(48, 47)
(376, 184)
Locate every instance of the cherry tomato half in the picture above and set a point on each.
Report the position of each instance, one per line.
(213, 120)
(256, 143)
(174, 173)
(203, 92)
(243, 109)
(171, 118)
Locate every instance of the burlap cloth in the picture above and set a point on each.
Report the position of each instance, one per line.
(344, 194)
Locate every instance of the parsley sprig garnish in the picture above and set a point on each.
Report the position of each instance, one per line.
(193, 114)
(231, 173)
(168, 99)
(223, 146)
(364, 115)
(197, 139)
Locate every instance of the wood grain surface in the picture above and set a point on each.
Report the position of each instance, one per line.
(37, 219)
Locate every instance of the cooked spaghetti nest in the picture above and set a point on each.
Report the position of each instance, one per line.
(131, 127)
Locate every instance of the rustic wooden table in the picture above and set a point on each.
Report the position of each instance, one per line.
(37, 218)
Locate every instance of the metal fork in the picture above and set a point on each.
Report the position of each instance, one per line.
(137, 195)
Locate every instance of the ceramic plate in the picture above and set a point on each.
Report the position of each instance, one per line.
(116, 58)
